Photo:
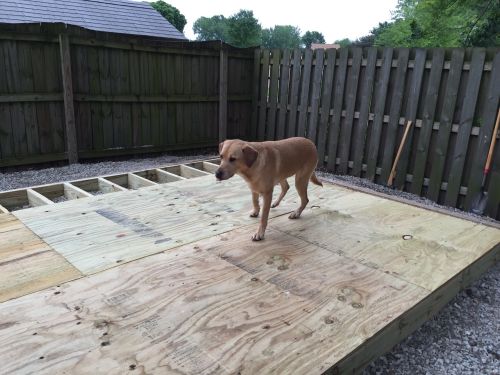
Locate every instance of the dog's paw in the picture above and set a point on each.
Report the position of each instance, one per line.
(294, 215)
(257, 237)
(275, 204)
(254, 214)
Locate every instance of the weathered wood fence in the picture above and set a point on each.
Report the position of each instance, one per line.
(354, 102)
(68, 93)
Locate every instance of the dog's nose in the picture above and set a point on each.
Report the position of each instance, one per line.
(218, 174)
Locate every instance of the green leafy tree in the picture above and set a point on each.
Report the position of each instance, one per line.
(369, 40)
(171, 14)
(346, 42)
(443, 23)
(311, 37)
(281, 36)
(240, 30)
(213, 28)
(243, 29)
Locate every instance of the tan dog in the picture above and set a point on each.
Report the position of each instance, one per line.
(265, 164)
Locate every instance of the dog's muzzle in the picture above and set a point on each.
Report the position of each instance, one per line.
(219, 174)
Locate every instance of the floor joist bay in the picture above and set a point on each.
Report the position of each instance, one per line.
(165, 279)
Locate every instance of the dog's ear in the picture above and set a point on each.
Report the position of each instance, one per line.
(249, 155)
(221, 145)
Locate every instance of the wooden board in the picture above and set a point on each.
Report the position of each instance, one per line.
(351, 92)
(241, 313)
(326, 100)
(329, 291)
(438, 161)
(27, 264)
(381, 90)
(97, 233)
(429, 109)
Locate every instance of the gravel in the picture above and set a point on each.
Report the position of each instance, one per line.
(463, 338)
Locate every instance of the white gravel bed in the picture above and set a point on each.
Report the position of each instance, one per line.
(463, 338)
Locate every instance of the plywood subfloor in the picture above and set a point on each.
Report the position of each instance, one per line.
(28, 264)
(351, 278)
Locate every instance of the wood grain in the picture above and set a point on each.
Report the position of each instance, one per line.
(96, 233)
(232, 320)
(423, 248)
(28, 264)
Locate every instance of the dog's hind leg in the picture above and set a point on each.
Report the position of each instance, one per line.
(284, 189)
(301, 182)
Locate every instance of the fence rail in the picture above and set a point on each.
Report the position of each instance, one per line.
(353, 102)
(127, 94)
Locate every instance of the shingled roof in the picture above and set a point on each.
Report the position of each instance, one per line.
(114, 16)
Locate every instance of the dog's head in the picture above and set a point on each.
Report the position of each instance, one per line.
(236, 156)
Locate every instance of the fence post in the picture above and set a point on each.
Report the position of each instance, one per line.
(69, 112)
(222, 93)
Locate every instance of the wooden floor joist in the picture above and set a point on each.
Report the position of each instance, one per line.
(55, 193)
(166, 279)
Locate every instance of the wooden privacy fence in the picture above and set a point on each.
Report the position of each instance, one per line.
(354, 102)
(67, 92)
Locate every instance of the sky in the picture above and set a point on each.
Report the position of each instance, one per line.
(334, 19)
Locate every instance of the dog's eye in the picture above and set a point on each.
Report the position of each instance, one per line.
(231, 159)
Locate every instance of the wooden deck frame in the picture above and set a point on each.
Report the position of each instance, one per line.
(78, 189)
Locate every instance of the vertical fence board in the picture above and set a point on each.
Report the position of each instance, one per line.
(304, 96)
(273, 94)
(465, 126)
(264, 85)
(312, 127)
(42, 109)
(326, 99)
(255, 93)
(6, 146)
(171, 114)
(411, 115)
(16, 109)
(54, 84)
(294, 93)
(106, 110)
(334, 130)
(283, 101)
(394, 114)
(366, 98)
(27, 85)
(352, 90)
(222, 94)
(381, 88)
(196, 88)
(69, 111)
(439, 156)
(95, 108)
(116, 67)
(81, 86)
(430, 101)
(485, 134)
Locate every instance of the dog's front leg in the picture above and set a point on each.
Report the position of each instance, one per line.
(267, 198)
(256, 206)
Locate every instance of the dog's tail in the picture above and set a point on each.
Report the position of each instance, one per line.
(315, 180)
